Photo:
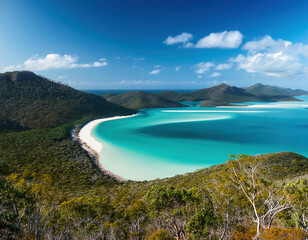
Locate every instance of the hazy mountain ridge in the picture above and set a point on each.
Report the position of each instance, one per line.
(35, 102)
(260, 89)
(224, 94)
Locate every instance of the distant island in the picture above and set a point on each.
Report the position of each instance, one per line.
(221, 95)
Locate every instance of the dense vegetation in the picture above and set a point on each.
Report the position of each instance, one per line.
(60, 194)
(31, 101)
(51, 189)
(139, 99)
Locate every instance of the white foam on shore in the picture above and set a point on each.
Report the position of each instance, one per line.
(85, 135)
(275, 106)
(282, 105)
(194, 120)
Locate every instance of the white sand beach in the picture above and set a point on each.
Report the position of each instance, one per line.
(92, 145)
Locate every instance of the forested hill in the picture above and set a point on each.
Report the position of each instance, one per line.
(224, 94)
(140, 99)
(267, 90)
(31, 101)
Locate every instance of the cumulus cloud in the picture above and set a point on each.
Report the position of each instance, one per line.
(278, 58)
(203, 67)
(54, 61)
(138, 59)
(138, 82)
(182, 38)
(155, 71)
(216, 82)
(223, 66)
(215, 74)
(12, 68)
(271, 64)
(154, 82)
(225, 39)
(62, 77)
(177, 68)
(265, 43)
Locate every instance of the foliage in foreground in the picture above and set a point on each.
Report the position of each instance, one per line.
(49, 189)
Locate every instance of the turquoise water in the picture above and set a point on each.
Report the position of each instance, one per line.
(162, 142)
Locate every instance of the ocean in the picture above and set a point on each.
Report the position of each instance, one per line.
(164, 142)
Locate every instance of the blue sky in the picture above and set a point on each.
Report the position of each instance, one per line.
(137, 44)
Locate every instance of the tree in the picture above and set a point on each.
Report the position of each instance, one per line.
(136, 214)
(247, 175)
(201, 223)
(298, 191)
(8, 218)
(86, 216)
(184, 211)
(161, 234)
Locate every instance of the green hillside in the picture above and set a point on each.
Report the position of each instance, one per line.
(171, 95)
(260, 89)
(33, 101)
(139, 100)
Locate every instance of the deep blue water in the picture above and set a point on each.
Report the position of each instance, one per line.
(161, 143)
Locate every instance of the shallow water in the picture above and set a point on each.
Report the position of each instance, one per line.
(161, 142)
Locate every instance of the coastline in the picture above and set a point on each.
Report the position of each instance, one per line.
(93, 146)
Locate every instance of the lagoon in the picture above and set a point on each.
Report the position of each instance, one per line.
(163, 142)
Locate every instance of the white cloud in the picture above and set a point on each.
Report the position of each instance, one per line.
(138, 82)
(223, 66)
(138, 59)
(203, 67)
(216, 82)
(215, 74)
(199, 76)
(226, 39)
(155, 71)
(154, 82)
(122, 58)
(271, 64)
(278, 58)
(54, 61)
(156, 66)
(11, 68)
(62, 77)
(177, 68)
(265, 43)
(183, 38)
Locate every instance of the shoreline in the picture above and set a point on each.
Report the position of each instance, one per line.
(93, 146)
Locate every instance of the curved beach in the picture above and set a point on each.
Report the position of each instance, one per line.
(161, 143)
(93, 146)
